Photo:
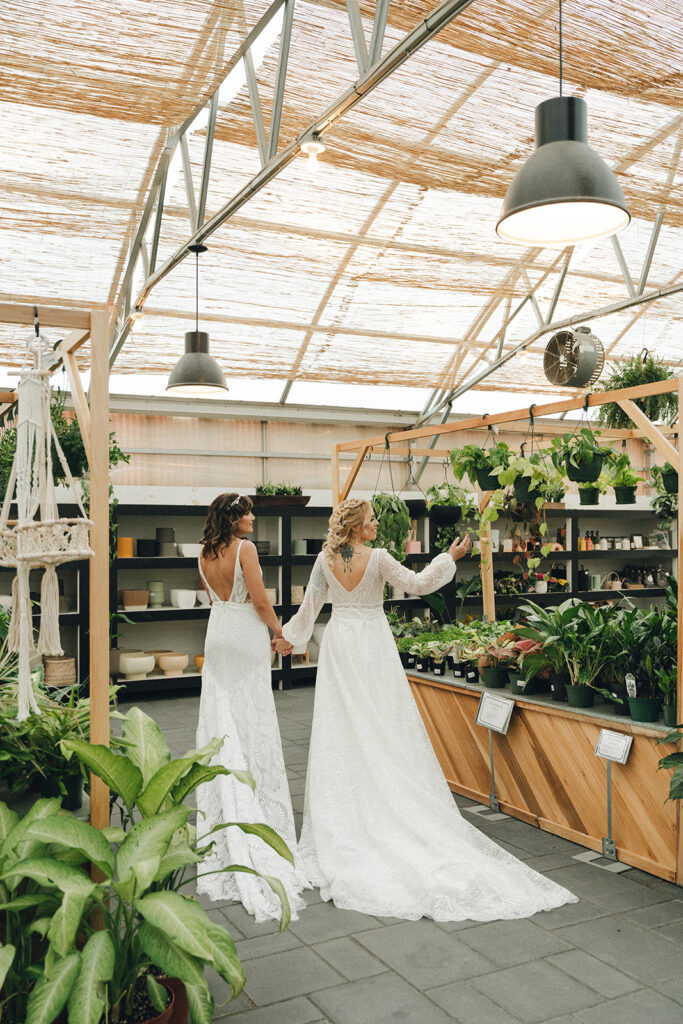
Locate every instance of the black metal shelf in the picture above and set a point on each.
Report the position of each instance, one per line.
(639, 554)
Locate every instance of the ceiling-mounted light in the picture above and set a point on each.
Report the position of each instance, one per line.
(313, 147)
(565, 193)
(136, 318)
(196, 372)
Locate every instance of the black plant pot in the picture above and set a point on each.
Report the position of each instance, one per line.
(589, 496)
(459, 669)
(439, 667)
(445, 515)
(644, 709)
(314, 545)
(558, 686)
(494, 678)
(619, 690)
(670, 715)
(423, 664)
(523, 492)
(625, 495)
(580, 696)
(403, 655)
(670, 481)
(74, 790)
(471, 672)
(416, 507)
(486, 481)
(587, 471)
(147, 548)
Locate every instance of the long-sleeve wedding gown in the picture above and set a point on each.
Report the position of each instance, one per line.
(237, 703)
(382, 833)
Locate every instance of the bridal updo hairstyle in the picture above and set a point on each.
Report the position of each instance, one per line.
(347, 516)
(220, 528)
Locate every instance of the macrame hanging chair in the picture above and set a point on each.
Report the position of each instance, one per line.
(38, 538)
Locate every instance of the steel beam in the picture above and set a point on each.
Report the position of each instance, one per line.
(378, 30)
(256, 112)
(358, 36)
(558, 287)
(651, 246)
(189, 183)
(621, 260)
(276, 116)
(208, 153)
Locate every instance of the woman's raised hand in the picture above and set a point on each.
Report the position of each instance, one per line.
(458, 548)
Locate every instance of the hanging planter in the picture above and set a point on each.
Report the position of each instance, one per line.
(445, 515)
(670, 481)
(416, 507)
(625, 495)
(589, 495)
(524, 492)
(587, 471)
(478, 463)
(581, 455)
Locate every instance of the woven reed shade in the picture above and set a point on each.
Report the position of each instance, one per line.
(379, 268)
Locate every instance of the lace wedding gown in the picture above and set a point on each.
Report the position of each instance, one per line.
(382, 833)
(237, 703)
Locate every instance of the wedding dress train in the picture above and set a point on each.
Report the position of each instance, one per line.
(382, 833)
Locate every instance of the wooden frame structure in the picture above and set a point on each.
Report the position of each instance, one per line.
(93, 420)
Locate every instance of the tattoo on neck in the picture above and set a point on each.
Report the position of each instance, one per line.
(347, 553)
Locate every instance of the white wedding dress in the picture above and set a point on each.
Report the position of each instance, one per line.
(237, 703)
(382, 833)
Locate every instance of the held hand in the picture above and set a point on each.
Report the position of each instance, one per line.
(282, 646)
(459, 549)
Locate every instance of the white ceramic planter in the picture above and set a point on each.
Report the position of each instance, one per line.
(183, 598)
(136, 666)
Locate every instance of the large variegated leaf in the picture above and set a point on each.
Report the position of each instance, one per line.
(8, 819)
(139, 854)
(181, 918)
(52, 872)
(161, 784)
(15, 844)
(198, 774)
(178, 964)
(177, 857)
(75, 835)
(264, 832)
(52, 990)
(22, 902)
(6, 958)
(87, 1000)
(274, 883)
(145, 743)
(202, 755)
(113, 834)
(225, 958)
(65, 922)
(117, 770)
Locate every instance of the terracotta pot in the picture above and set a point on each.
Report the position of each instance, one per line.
(135, 600)
(173, 664)
(199, 661)
(177, 1011)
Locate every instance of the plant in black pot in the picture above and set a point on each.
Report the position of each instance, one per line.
(656, 659)
(532, 478)
(279, 494)
(581, 455)
(447, 506)
(393, 526)
(479, 463)
(589, 493)
(665, 478)
(667, 681)
(623, 478)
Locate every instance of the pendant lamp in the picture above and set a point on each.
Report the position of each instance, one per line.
(196, 372)
(565, 193)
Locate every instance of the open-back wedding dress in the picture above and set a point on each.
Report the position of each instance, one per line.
(382, 833)
(237, 702)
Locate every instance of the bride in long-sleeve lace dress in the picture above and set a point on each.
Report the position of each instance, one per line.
(382, 833)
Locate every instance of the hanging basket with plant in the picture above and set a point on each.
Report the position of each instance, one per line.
(581, 455)
(393, 527)
(480, 464)
(641, 368)
(624, 479)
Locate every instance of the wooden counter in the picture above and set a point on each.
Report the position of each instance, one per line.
(548, 775)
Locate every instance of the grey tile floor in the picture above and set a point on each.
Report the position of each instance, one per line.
(615, 957)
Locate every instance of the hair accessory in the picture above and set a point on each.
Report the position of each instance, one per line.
(236, 501)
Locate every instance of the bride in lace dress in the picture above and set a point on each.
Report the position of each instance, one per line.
(382, 833)
(237, 703)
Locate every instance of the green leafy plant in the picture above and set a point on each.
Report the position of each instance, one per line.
(571, 640)
(393, 527)
(148, 924)
(621, 473)
(674, 761)
(642, 368)
(600, 485)
(540, 476)
(446, 494)
(579, 450)
(278, 489)
(471, 460)
(664, 503)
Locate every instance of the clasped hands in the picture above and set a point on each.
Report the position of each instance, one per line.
(280, 645)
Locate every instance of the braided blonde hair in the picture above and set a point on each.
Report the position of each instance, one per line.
(347, 516)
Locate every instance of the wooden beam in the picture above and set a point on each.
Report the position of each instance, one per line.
(72, 342)
(651, 432)
(335, 475)
(79, 400)
(49, 316)
(353, 473)
(8, 397)
(99, 566)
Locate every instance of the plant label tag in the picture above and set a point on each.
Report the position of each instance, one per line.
(494, 712)
(613, 746)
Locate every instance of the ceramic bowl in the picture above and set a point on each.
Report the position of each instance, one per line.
(157, 654)
(190, 550)
(135, 666)
(183, 598)
(115, 657)
(199, 661)
(173, 663)
(202, 596)
(135, 600)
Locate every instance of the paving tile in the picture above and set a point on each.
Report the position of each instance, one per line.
(381, 1000)
(551, 861)
(512, 942)
(297, 972)
(455, 926)
(594, 973)
(225, 1005)
(237, 915)
(570, 913)
(217, 915)
(672, 987)
(423, 954)
(619, 942)
(325, 921)
(264, 945)
(536, 992)
(297, 786)
(534, 840)
(468, 1006)
(614, 892)
(674, 932)
(658, 915)
(292, 1011)
(636, 1008)
(349, 958)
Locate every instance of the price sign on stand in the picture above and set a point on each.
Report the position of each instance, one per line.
(494, 714)
(612, 746)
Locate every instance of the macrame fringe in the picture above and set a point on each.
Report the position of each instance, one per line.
(26, 701)
(49, 641)
(13, 631)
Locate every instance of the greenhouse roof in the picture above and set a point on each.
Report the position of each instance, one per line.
(385, 267)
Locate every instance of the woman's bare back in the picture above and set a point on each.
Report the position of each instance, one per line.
(220, 571)
(350, 564)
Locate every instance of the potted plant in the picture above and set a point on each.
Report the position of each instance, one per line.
(149, 926)
(667, 680)
(581, 455)
(641, 368)
(404, 644)
(545, 626)
(665, 478)
(279, 494)
(624, 479)
(495, 664)
(655, 660)
(522, 648)
(533, 479)
(447, 505)
(393, 526)
(589, 493)
(437, 651)
(479, 463)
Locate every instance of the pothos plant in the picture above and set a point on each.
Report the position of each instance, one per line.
(472, 460)
(393, 520)
(450, 494)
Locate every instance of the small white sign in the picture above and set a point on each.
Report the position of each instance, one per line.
(494, 712)
(613, 746)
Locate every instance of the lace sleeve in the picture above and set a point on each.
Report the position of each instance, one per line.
(299, 628)
(440, 570)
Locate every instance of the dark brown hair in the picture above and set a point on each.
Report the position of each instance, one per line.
(220, 528)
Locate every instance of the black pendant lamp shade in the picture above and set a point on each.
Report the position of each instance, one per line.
(565, 193)
(197, 372)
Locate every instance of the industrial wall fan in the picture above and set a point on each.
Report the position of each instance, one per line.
(574, 358)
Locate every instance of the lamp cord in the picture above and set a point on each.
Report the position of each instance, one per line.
(560, 1)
